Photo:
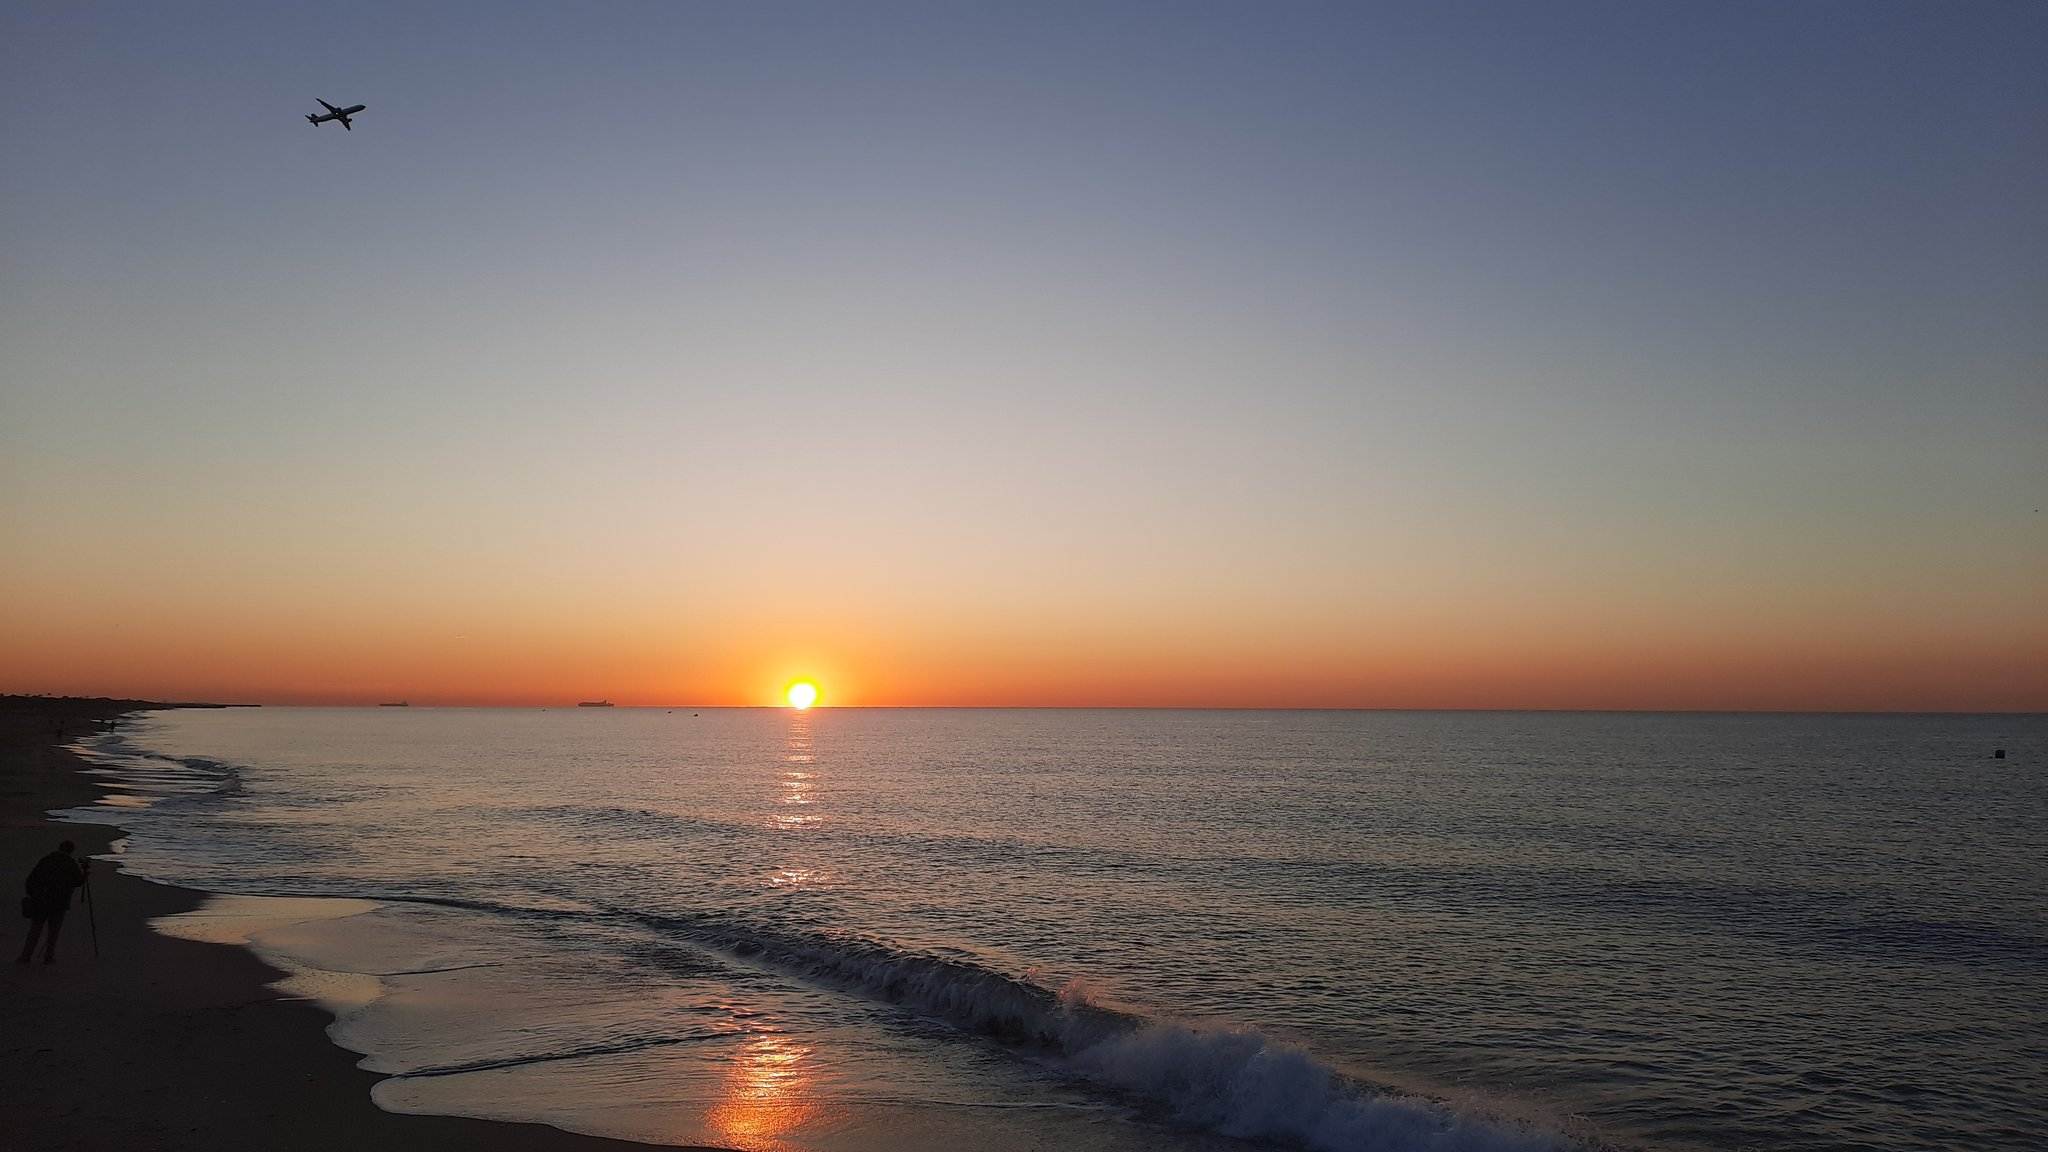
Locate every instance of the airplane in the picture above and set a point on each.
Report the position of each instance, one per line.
(333, 113)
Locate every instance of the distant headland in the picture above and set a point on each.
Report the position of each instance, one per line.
(94, 707)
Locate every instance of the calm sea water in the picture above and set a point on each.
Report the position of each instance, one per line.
(857, 930)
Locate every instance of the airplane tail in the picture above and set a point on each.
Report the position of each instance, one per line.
(312, 119)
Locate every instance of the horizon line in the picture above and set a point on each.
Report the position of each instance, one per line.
(572, 705)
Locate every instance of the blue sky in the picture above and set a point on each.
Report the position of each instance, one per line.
(1571, 320)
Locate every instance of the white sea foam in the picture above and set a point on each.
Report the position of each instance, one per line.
(1240, 1084)
(1231, 1081)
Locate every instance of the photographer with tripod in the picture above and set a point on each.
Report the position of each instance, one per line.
(49, 898)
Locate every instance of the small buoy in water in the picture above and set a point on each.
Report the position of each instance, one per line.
(1998, 754)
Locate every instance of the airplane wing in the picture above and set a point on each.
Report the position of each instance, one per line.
(325, 104)
(346, 126)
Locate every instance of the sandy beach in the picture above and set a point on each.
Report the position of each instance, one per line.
(161, 1042)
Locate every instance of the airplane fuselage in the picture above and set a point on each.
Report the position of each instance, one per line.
(333, 113)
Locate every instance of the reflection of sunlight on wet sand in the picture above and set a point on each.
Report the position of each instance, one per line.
(240, 919)
(764, 1096)
(126, 800)
(244, 919)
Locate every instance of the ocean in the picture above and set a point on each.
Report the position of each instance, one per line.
(849, 930)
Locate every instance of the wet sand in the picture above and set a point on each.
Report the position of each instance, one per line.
(170, 1043)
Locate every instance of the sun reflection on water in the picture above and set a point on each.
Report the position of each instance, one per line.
(766, 1094)
(798, 784)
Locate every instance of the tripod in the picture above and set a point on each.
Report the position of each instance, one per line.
(91, 921)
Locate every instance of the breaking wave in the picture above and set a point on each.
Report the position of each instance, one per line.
(1235, 1082)
(1241, 1084)
(1231, 1081)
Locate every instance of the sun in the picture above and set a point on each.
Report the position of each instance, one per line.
(802, 695)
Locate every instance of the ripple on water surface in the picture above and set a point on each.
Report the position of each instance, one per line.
(813, 930)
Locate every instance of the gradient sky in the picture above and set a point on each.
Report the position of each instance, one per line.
(1436, 355)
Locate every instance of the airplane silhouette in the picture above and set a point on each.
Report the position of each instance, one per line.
(333, 113)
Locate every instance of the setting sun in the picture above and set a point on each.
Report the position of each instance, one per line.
(802, 694)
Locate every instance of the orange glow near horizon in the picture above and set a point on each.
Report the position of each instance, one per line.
(1419, 664)
(1481, 633)
(1030, 418)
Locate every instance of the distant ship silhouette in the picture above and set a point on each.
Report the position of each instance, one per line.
(397, 704)
(594, 704)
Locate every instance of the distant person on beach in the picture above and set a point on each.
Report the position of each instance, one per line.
(49, 898)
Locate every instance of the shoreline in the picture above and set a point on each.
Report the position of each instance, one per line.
(163, 1042)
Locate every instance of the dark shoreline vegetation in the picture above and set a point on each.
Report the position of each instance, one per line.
(94, 707)
(164, 1043)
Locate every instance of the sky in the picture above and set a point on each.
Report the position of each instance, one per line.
(1625, 355)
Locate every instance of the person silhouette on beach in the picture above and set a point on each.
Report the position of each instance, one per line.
(49, 897)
